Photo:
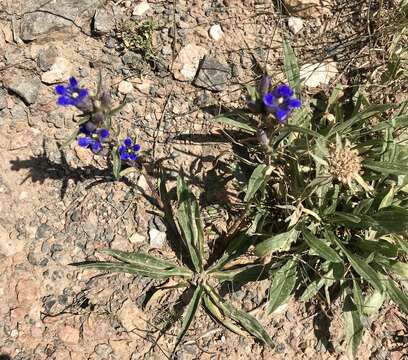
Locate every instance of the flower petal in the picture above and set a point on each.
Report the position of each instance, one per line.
(73, 83)
(122, 149)
(103, 133)
(264, 84)
(96, 146)
(60, 89)
(83, 93)
(84, 141)
(294, 103)
(283, 91)
(281, 114)
(128, 142)
(64, 101)
(136, 148)
(124, 156)
(269, 100)
(132, 156)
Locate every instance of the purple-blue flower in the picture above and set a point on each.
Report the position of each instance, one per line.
(70, 94)
(93, 138)
(128, 151)
(281, 102)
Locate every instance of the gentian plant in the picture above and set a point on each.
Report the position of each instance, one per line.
(327, 197)
(95, 129)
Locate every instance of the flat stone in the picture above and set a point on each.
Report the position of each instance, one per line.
(216, 32)
(27, 292)
(295, 24)
(130, 316)
(46, 57)
(125, 87)
(314, 75)
(60, 71)
(3, 98)
(26, 88)
(53, 16)
(187, 61)
(103, 22)
(141, 8)
(136, 238)
(212, 75)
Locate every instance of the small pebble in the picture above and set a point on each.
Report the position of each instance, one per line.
(216, 32)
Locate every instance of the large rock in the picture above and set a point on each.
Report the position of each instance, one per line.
(103, 22)
(53, 16)
(187, 61)
(26, 88)
(308, 8)
(60, 71)
(212, 75)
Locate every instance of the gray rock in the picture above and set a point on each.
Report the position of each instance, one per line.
(27, 89)
(103, 350)
(3, 98)
(46, 58)
(131, 58)
(19, 112)
(57, 119)
(212, 75)
(102, 22)
(53, 16)
(43, 231)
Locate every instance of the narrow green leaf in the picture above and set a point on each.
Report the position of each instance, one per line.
(190, 313)
(398, 122)
(403, 244)
(283, 283)
(358, 119)
(391, 219)
(363, 269)
(240, 124)
(291, 67)
(216, 313)
(393, 168)
(397, 295)
(257, 180)
(152, 273)
(279, 242)
(302, 130)
(358, 296)
(190, 224)
(242, 274)
(353, 327)
(116, 162)
(320, 247)
(71, 138)
(247, 321)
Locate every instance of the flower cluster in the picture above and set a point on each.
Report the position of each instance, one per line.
(129, 151)
(280, 101)
(71, 94)
(93, 138)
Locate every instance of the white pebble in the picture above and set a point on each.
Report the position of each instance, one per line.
(295, 24)
(125, 87)
(141, 8)
(216, 32)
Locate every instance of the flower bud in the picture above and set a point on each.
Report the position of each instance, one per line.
(264, 85)
(262, 137)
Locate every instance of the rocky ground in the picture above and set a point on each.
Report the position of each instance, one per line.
(58, 207)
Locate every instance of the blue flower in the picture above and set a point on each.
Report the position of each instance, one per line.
(70, 94)
(93, 138)
(281, 102)
(128, 151)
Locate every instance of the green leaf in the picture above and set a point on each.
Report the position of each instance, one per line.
(257, 180)
(320, 247)
(387, 199)
(188, 216)
(279, 242)
(400, 121)
(247, 321)
(236, 247)
(353, 327)
(358, 296)
(240, 124)
(363, 269)
(358, 119)
(190, 313)
(216, 313)
(397, 295)
(283, 283)
(391, 219)
(393, 168)
(242, 274)
(153, 273)
(373, 302)
(291, 67)
(327, 280)
(141, 259)
(302, 130)
(116, 163)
